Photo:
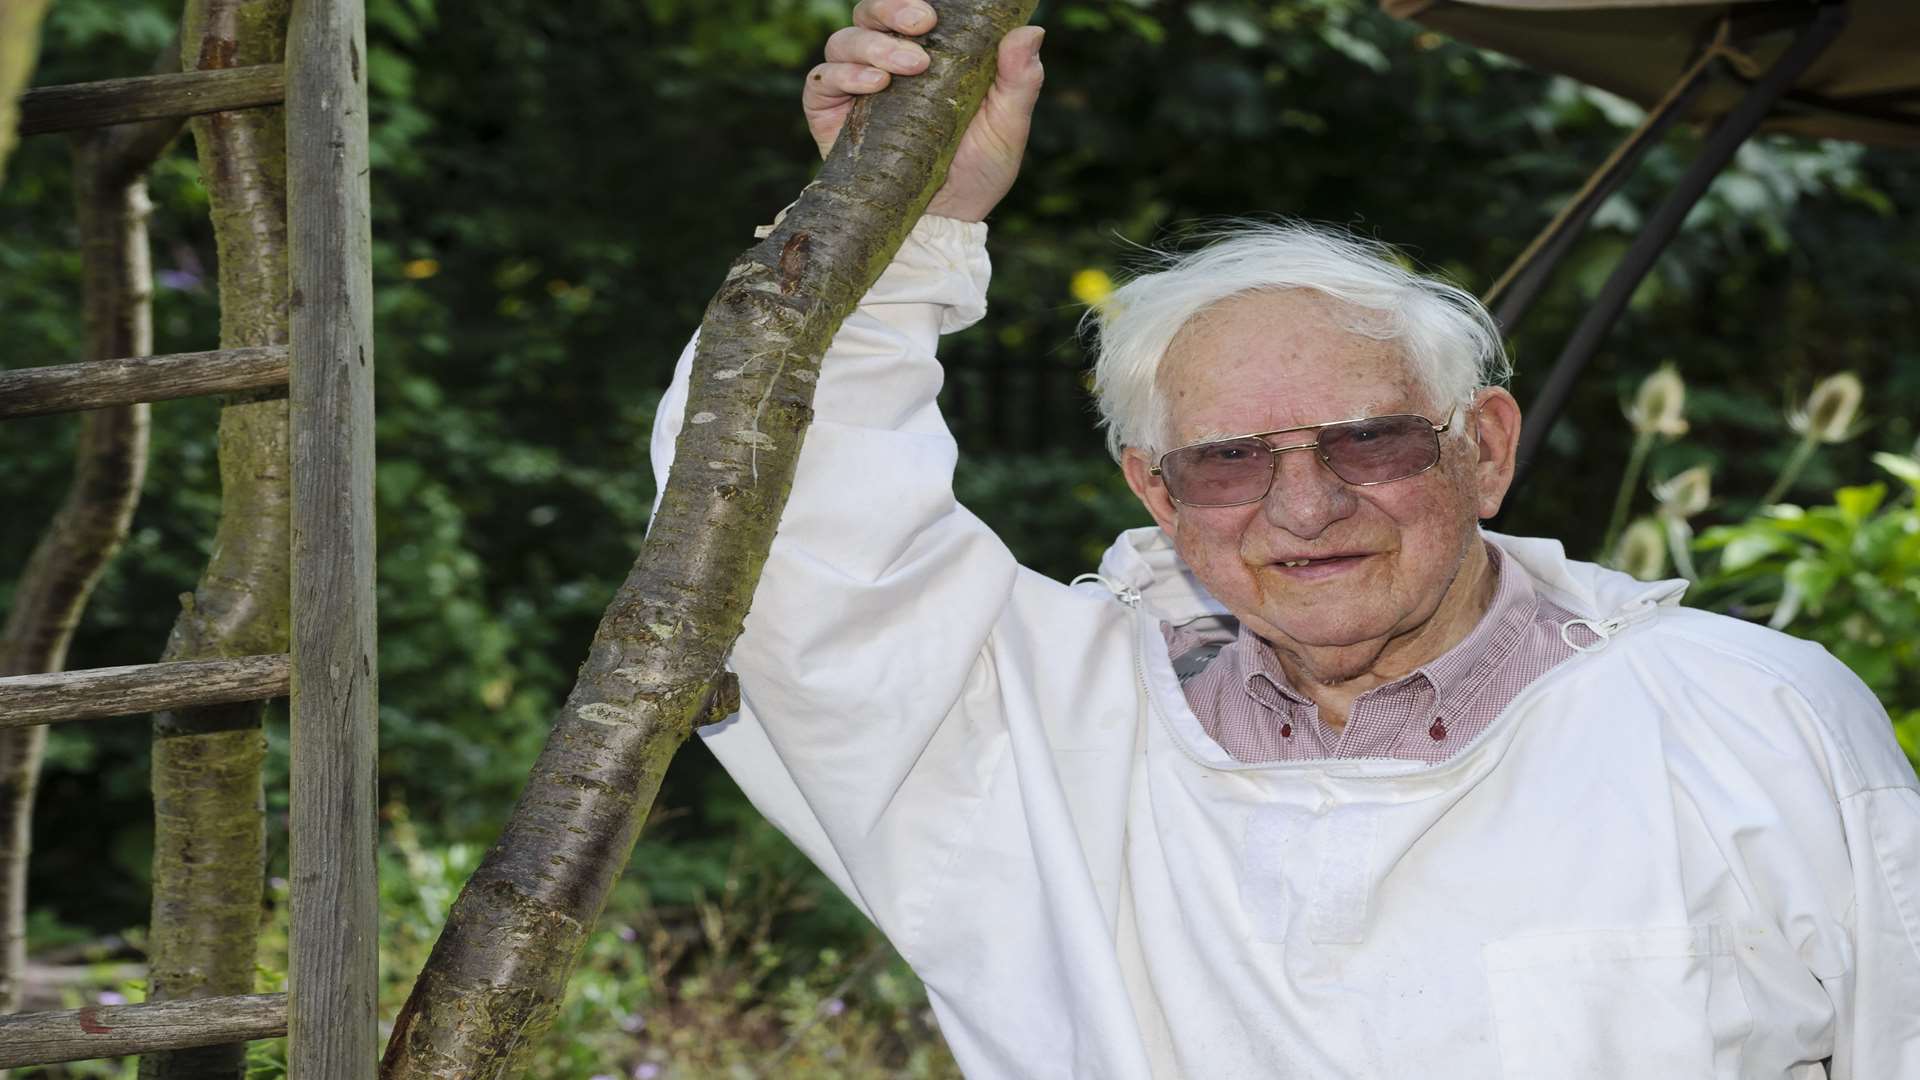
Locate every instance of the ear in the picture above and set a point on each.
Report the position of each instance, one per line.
(1149, 488)
(1496, 434)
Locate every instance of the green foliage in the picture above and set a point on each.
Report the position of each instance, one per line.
(1060, 511)
(1846, 575)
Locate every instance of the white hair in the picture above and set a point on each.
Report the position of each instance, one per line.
(1451, 343)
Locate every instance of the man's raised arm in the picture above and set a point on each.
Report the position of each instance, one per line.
(880, 590)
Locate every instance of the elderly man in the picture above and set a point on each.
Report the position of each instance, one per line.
(1315, 778)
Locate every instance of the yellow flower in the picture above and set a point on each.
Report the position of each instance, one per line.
(1660, 406)
(420, 269)
(1830, 410)
(1091, 287)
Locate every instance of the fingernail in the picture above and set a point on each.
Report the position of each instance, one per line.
(917, 19)
(905, 58)
(870, 77)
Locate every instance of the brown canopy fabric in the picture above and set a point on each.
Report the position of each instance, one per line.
(1865, 87)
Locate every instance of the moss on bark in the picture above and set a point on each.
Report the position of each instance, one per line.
(209, 814)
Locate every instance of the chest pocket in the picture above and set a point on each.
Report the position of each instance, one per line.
(1659, 1004)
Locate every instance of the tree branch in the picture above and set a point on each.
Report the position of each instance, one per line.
(110, 462)
(496, 976)
(209, 825)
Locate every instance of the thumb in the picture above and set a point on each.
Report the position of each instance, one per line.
(1019, 73)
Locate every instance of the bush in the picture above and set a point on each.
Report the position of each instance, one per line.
(1846, 575)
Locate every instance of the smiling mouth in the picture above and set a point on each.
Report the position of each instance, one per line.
(1325, 560)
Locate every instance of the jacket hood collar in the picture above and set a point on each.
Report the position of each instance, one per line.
(1143, 561)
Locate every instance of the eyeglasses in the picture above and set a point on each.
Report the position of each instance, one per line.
(1363, 452)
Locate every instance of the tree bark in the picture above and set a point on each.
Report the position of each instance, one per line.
(109, 462)
(209, 809)
(19, 48)
(497, 974)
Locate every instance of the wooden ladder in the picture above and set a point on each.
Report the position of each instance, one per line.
(328, 1012)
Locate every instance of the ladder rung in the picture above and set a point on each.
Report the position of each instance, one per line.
(149, 97)
(96, 693)
(99, 384)
(102, 1031)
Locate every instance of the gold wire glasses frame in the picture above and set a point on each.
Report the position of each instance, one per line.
(1183, 453)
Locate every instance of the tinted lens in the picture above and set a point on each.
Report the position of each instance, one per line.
(1379, 448)
(1219, 473)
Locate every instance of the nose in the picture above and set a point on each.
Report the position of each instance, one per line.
(1306, 496)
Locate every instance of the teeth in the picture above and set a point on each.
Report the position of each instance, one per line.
(1297, 562)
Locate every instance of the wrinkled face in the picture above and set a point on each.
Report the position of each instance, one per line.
(1383, 558)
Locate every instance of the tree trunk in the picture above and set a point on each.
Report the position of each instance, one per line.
(109, 462)
(19, 48)
(209, 810)
(498, 972)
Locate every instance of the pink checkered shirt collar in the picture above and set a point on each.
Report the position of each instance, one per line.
(1244, 701)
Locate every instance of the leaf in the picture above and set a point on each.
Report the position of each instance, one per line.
(1822, 525)
(1901, 466)
(1813, 579)
(1751, 547)
(1896, 611)
(1878, 543)
(1856, 504)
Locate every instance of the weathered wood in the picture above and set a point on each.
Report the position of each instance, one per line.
(149, 97)
(102, 1031)
(59, 388)
(98, 693)
(334, 956)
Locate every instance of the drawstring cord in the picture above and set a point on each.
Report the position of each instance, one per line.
(1121, 591)
(1604, 630)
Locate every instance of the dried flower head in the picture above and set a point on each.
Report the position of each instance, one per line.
(1830, 411)
(1660, 406)
(1686, 493)
(1642, 550)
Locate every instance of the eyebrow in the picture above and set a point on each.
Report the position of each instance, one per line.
(1370, 409)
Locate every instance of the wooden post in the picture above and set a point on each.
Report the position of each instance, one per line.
(334, 961)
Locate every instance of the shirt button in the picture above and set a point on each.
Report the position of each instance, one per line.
(1439, 729)
(1286, 731)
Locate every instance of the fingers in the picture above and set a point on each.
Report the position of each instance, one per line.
(857, 45)
(832, 85)
(899, 16)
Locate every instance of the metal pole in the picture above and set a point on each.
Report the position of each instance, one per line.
(1521, 285)
(1660, 228)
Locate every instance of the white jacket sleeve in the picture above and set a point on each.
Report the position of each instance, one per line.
(1876, 987)
(1881, 995)
(878, 597)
